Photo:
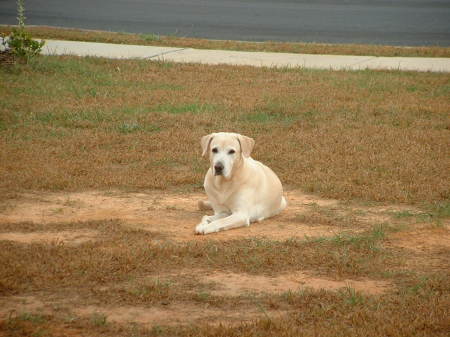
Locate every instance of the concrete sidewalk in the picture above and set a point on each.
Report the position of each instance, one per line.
(257, 59)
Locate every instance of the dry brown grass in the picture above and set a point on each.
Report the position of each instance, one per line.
(71, 123)
(269, 46)
(422, 313)
(132, 268)
(412, 313)
(126, 268)
(125, 253)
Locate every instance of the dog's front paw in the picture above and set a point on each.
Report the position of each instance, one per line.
(205, 228)
(201, 228)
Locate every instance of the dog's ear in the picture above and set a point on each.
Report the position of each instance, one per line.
(206, 140)
(247, 144)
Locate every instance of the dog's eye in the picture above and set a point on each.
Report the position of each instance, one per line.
(215, 150)
(231, 152)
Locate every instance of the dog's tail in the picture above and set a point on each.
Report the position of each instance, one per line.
(204, 205)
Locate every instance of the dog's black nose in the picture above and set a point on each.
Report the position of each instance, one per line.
(218, 168)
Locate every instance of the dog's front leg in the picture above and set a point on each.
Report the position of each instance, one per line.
(206, 220)
(211, 218)
(235, 220)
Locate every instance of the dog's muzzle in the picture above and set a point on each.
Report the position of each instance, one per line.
(218, 169)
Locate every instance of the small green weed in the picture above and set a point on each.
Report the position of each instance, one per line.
(351, 296)
(34, 318)
(202, 296)
(368, 239)
(99, 319)
(434, 213)
(157, 330)
(403, 214)
(20, 41)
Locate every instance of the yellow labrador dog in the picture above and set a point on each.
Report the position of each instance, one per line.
(240, 190)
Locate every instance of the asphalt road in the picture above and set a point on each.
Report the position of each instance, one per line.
(391, 22)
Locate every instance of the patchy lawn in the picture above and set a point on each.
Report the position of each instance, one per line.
(70, 123)
(100, 175)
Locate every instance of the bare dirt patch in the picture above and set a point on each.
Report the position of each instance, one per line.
(174, 214)
(198, 293)
(25, 303)
(66, 237)
(236, 284)
(69, 305)
(422, 240)
(176, 314)
(428, 248)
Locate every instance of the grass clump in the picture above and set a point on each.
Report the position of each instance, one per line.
(150, 37)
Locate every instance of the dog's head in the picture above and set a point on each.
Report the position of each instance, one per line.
(226, 151)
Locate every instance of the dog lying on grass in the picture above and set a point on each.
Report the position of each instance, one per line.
(240, 189)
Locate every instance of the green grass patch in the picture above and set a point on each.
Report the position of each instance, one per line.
(195, 108)
(150, 37)
(131, 127)
(431, 213)
(34, 318)
(440, 210)
(262, 117)
(404, 214)
(99, 319)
